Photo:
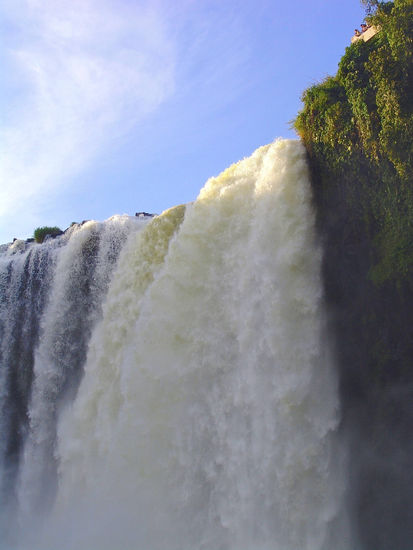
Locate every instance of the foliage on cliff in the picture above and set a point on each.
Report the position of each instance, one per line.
(357, 127)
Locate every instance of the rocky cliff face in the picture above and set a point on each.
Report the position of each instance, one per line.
(358, 130)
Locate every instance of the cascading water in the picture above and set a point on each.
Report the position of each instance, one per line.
(55, 291)
(207, 410)
(24, 284)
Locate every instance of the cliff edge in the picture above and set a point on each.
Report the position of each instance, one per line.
(357, 127)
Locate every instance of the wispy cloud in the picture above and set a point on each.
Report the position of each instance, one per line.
(79, 71)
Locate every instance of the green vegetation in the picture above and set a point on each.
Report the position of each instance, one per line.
(42, 232)
(357, 127)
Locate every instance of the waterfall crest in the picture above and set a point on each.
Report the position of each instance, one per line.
(207, 409)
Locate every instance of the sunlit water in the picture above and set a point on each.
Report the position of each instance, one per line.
(207, 412)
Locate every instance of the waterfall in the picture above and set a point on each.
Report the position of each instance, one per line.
(182, 395)
(50, 298)
(24, 283)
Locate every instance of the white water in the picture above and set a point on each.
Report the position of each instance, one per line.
(50, 299)
(80, 281)
(207, 415)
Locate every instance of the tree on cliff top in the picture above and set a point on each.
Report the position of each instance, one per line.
(40, 233)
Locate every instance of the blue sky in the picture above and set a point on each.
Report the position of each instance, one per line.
(118, 106)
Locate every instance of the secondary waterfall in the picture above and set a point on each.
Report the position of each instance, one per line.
(180, 396)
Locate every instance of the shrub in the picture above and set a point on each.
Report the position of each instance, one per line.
(42, 232)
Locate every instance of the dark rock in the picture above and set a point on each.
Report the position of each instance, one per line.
(144, 215)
